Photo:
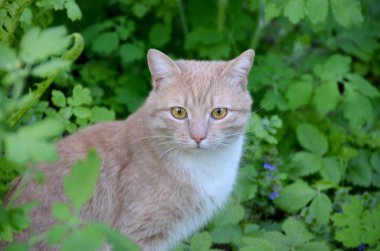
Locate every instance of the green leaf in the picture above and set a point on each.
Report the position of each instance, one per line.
(361, 85)
(357, 109)
(326, 98)
(50, 67)
(73, 11)
(118, 241)
(140, 9)
(258, 244)
(130, 53)
(271, 11)
(295, 196)
(100, 114)
(278, 239)
(299, 94)
(159, 34)
(8, 59)
(334, 68)
(79, 185)
(61, 211)
(332, 170)
(307, 163)
(32, 144)
(106, 43)
(317, 10)
(294, 10)
(359, 170)
(84, 239)
(320, 209)
(17, 247)
(58, 98)
(347, 12)
(296, 231)
(37, 45)
(200, 242)
(313, 246)
(57, 233)
(312, 139)
(81, 96)
(230, 215)
(81, 112)
(226, 233)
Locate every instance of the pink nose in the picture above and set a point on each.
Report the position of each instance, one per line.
(198, 137)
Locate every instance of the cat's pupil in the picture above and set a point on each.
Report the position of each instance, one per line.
(218, 110)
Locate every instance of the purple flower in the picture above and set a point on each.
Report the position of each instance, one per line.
(273, 195)
(361, 247)
(269, 167)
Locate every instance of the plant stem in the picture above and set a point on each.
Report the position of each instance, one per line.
(182, 17)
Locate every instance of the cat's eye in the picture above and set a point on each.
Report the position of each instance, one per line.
(179, 112)
(219, 113)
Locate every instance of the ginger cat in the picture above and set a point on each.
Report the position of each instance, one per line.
(169, 166)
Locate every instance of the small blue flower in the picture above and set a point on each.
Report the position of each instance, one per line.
(269, 167)
(273, 195)
(361, 247)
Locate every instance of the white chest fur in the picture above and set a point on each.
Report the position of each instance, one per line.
(213, 175)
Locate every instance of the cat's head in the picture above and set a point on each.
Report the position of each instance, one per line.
(198, 105)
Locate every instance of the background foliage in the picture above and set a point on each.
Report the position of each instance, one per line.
(310, 176)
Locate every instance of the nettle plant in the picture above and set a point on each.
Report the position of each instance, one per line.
(310, 175)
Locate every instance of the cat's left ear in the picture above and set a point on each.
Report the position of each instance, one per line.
(238, 69)
(162, 68)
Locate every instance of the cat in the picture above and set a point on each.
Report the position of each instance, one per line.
(169, 166)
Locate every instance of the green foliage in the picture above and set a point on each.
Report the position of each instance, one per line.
(309, 178)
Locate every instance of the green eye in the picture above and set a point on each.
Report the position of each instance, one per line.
(219, 113)
(179, 112)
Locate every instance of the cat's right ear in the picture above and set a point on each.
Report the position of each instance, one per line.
(162, 68)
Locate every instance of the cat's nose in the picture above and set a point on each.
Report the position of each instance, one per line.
(198, 137)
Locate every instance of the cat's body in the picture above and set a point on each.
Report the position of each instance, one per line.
(162, 178)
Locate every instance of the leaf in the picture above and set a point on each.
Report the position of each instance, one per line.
(32, 144)
(278, 239)
(105, 43)
(361, 85)
(57, 233)
(296, 232)
(225, 233)
(271, 11)
(334, 69)
(347, 12)
(326, 98)
(80, 184)
(8, 59)
(258, 244)
(294, 10)
(140, 9)
(200, 242)
(357, 109)
(37, 45)
(81, 96)
(159, 34)
(230, 215)
(307, 163)
(73, 10)
(295, 196)
(61, 211)
(130, 53)
(84, 239)
(81, 112)
(317, 10)
(331, 170)
(359, 170)
(312, 139)
(118, 241)
(58, 98)
(100, 114)
(320, 209)
(299, 94)
(17, 247)
(313, 246)
(50, 67)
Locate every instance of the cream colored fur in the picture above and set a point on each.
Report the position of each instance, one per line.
(157, 185)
